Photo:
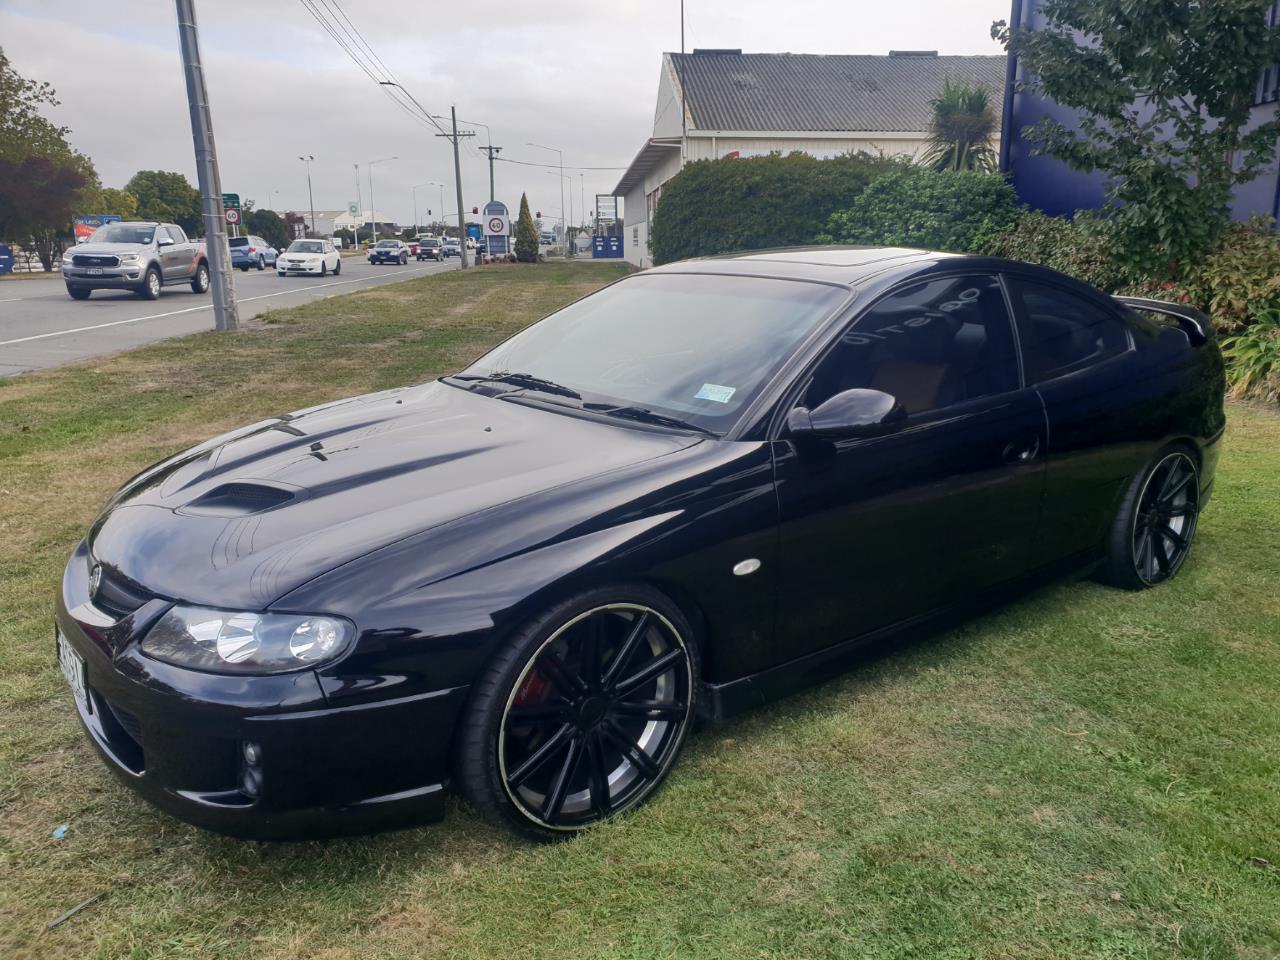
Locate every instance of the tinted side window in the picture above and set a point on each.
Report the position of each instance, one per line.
(1061, 331)
(177, 233)
(930, 345)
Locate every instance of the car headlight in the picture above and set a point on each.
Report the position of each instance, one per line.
(228, 641)
(66, 258)
(128, 258)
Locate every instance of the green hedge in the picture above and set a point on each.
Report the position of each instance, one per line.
(718, 206)
(1084, 248)
(958, 211)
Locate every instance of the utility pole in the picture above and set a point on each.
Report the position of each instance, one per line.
(457, 175)
(225, 313)
(310, 198)
(360, 204)
(492, 151)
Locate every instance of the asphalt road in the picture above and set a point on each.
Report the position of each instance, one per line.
(40, 326)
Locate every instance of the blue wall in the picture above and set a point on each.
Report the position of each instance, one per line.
(1049, 185)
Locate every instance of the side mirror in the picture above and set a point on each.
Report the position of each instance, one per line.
(850, 413)
(165, 242)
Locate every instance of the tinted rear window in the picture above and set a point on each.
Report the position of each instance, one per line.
(239, 241)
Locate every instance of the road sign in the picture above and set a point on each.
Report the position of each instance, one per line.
(233, 216)
(496, 225)
(230, 200)
(353, 208)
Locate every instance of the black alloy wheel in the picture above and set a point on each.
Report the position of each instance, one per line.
(583, 715)
(1153, 530)
(1165, 520)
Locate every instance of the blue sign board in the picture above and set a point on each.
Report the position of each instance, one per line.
(6, 258)
(606, 248)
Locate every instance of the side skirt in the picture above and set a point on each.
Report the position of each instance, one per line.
(721, 701)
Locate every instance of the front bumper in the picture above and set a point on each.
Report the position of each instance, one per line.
(298, 269)
(118, 278)
(385, 258)
(177, 737)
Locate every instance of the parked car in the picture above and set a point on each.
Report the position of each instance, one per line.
(471, 243)
(142, 256)
(451, 247)
(247, 252)
(526, 579)
(546, 238)
(305, 257)
(429, 249)
(389, 251)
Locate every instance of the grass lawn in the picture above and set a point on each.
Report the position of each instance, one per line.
(1087, 773)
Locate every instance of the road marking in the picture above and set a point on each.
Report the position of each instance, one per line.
(12, 299)
(203, 306)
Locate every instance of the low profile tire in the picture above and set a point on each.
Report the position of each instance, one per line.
(150, 289)
(337, 267)
(1153, 530)
(79, 293)
(200, 282)
(581, 715)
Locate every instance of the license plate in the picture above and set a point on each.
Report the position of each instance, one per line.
(95, 271)
(72, 665)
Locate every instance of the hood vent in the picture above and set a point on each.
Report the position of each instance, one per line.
(239, 499)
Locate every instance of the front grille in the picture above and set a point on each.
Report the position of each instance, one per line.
(118, 595)
(84, 260)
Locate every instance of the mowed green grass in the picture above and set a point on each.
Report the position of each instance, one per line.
(1086, 773)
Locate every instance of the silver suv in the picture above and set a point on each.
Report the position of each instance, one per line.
(135, 255)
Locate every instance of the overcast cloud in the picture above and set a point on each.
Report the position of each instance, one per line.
(575, 75)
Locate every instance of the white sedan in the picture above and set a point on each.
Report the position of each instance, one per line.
(317, 257)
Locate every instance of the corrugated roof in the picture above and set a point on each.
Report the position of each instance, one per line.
(795, 92)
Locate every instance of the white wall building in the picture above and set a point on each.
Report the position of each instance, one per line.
(743, 105)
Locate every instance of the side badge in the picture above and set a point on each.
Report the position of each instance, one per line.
(744, 568)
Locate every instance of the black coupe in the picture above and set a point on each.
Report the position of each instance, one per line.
(682, 496)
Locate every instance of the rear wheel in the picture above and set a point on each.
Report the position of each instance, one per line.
(262, 262)
(582, 714)
(1152, 532)
(200, 282)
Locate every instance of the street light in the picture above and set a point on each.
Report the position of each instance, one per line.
(429, 183)
(564, 231)
(373, 208)
(311, 199)
(441, 186)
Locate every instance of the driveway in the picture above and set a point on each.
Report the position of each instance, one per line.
(40, 326)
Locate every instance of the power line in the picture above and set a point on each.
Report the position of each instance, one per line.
(553, 166)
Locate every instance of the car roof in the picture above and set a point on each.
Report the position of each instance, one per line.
(843, 265)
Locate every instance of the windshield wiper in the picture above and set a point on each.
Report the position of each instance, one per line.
(526, 380)
(645, 415)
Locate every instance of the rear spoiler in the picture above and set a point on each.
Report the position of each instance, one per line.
(1193, 323)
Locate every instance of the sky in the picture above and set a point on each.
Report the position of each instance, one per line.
(578, 76)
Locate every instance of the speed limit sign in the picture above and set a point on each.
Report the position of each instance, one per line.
(233, 216)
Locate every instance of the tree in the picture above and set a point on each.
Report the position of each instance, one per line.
(960, 129)
(268, 225)
(23, 131)
(1165, 90)
(167, 197)
(526, 234)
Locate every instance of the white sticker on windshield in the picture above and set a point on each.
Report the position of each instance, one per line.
(713, 391)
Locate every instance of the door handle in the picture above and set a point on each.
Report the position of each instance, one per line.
(1022, 450)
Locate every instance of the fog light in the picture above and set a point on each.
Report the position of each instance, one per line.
(252, 754)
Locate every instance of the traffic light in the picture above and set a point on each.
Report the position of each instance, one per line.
(538, 214)
(475, 209)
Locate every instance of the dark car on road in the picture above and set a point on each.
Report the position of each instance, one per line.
(429, 250)
(142, 256)
(252, 253)
(389, 251)
(683, 496)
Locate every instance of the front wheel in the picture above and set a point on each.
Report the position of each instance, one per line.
(262, 262)
(324, 268)
(200, 282)
(79, 293)
(337, 267)
(582, 714)
(150, 289)
(1151, 535)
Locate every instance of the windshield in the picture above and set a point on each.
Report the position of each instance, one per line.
(123, 233)
(306, 246)
(388, 243)
(696, 347)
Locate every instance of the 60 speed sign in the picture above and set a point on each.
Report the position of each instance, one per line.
(232, 215)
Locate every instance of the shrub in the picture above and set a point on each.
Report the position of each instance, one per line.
(716, 206)
(960, 211)
(526, 234)
(1083, 248)
(1253, 358)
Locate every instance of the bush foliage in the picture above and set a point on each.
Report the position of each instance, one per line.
(959, 211)
(1084, 249)
(717, 206)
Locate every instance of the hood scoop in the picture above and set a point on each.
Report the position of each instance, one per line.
(241, 498)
